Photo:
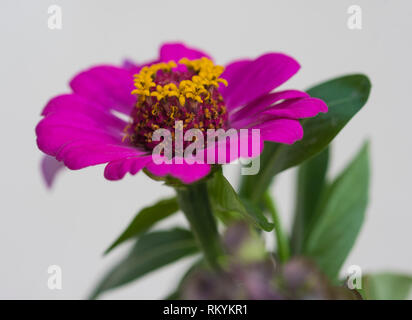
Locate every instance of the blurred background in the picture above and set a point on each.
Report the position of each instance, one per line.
(72, 224)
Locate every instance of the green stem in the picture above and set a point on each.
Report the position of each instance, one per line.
(194, 201)
(281, 238)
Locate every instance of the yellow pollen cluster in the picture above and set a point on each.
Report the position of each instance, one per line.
(206, 75)
(143, 81)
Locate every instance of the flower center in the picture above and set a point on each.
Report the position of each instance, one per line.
(170, 92)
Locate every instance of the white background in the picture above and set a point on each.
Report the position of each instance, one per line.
(73, 224)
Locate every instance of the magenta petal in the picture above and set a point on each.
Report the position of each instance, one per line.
(130, 66)
(258, 77)
(80, 154)
(246, 114)
(134, 68)
(220, 152)
(187, 173)
(68, 106)
(281, 130)
(70, 118)
(248, 146)
(106, 124)
(297, 108)
(233, 72)
(50, 141)
(80, 133)
(255, 144)
(71, 102)
(56, 131)
(107, 85)
(50, 167)
(116, 170)
(177, 51)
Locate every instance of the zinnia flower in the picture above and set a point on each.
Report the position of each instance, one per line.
(112, 112)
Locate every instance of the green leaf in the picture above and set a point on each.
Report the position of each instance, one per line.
(310, 184)
(228, 206)
(386, 286)
(145, 219)
(344, 96)
(152, 251)
(339, 216)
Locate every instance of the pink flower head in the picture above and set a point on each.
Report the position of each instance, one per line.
(112, 112)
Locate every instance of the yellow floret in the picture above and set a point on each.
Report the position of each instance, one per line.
(207, 75)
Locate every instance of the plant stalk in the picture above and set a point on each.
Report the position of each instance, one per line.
(194, 201)
(281, 238)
